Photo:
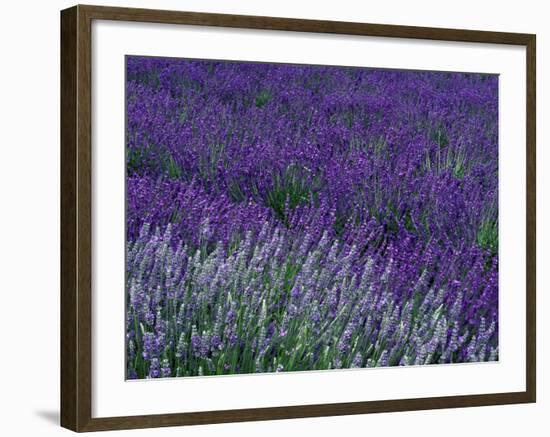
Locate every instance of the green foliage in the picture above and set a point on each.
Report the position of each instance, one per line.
(135, 159)
(378, 146)
(487, 236)
(235, 191)
(345, 118)
(208, 162)
(290, 189)
(409, 224)
(439, 136)
(262, 98)
(172, 167)
(450, 159)
(140, 158)
(182, 118)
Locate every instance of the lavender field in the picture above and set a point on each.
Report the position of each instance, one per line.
(292, 217)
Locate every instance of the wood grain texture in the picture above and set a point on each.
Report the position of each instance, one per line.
(69, 346)
(301, 25)
(531, 214)
(76, 218)
(84, 216)
(303, 411)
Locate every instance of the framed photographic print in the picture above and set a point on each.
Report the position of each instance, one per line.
(286, 218)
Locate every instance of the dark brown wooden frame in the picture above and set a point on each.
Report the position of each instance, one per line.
(76, 218)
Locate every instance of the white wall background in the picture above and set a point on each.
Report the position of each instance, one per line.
(29, 219)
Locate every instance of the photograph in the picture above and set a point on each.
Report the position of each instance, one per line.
(271, 219)
(296, 217)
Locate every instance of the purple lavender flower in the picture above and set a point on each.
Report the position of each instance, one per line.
(298, 217)
(154, 369)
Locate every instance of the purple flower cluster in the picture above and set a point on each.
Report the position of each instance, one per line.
(294, 217)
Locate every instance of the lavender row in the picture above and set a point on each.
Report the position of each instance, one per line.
(294, 217)
(416, 149)
(269, 303)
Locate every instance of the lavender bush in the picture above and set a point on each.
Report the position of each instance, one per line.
(285, 217)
